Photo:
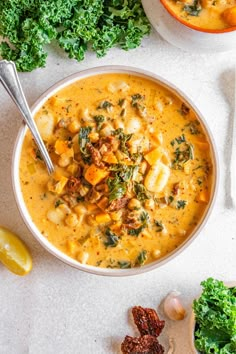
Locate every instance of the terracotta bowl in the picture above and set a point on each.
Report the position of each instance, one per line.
(197, 28)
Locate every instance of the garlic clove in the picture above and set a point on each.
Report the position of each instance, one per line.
(173, 307)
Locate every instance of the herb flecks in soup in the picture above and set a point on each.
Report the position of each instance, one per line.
(207, 14)
(133, 171)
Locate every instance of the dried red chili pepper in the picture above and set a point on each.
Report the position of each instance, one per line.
(147, 321)
(141, 345)
(150, 327)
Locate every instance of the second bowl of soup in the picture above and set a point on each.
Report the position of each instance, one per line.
(212, 16)
(135, 171)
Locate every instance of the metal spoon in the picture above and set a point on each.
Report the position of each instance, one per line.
(10, 80)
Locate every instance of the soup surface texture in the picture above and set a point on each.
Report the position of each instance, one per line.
(207, 14)
(133, 171)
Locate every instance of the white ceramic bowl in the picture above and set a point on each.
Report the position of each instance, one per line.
(231, 284)
(16, 180)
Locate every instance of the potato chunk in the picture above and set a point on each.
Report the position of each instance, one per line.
(153, 156)
(57, 186)
(133, 125)
(157, 177)
(45, 124)
(118, 86)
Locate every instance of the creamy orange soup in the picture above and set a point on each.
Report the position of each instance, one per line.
(207, 14)
(133, 171)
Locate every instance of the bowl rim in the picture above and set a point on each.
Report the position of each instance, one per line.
(194, 27)
(192, 321)
(16, 179)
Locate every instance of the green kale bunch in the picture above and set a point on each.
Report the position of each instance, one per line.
(215, 313)
(28, 25)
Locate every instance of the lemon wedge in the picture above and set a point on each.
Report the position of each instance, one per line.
(13, 253)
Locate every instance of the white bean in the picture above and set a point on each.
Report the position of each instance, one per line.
(85, 115)
(64, 160)
(149, 204)
(156, 253)
(134, 204)
(56, 216)
(118, 124)
(71, 220)
(80, 209)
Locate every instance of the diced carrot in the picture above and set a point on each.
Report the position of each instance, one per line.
(103, 203)
(154, 155)
(116, 226)
(94, 174)
(61, 147)
(103, 218)
(203, 196)
(229, 16)
(57, 175)
(110, 157)
(91, 207)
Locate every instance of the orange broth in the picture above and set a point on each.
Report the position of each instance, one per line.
(133, 172)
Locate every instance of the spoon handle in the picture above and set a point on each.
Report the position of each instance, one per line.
(10, 80)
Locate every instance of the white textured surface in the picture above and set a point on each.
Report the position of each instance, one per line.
(57, 309)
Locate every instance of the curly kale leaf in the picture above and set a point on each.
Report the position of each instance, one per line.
(194, 9)
(112, 239)
(83, 141)
(28, 25)
(215, 313)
